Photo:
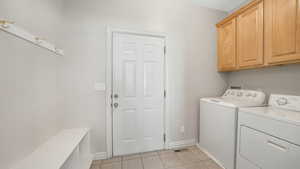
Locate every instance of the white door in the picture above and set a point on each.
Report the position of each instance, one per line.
(138, 93)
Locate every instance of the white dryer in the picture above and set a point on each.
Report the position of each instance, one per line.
(218, 123)
(269, 137)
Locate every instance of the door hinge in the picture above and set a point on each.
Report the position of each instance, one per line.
(165, 50)
(165, 93)
(164, 137)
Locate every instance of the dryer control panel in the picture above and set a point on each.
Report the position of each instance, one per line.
(287, 102)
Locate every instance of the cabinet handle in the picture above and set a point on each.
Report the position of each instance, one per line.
(277, 146)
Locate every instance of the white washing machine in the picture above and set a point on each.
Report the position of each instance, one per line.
(218, 123)
(269, 137)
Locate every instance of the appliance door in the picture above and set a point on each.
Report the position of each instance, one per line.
(218, 132)
(266, 151)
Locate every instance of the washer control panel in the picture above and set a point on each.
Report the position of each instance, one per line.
(245, 95)
(288, 102)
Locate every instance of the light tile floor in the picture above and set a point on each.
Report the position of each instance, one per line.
(190, 158)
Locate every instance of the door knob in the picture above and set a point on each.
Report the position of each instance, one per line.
(116, 105)
(116, 96)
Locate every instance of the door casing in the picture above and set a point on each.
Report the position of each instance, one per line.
(109, 88)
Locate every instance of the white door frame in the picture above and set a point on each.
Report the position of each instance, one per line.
(109, 77)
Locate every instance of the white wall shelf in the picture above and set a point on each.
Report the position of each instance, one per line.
(12, 29)
(69, 149)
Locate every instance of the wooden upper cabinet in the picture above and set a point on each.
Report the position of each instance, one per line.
(227, 46)
(259, 34)
(282, 31)
(250, 37)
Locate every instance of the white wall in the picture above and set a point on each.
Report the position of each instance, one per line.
(278, 79)
(28, 85)
(191, 50)
(224, 5)
(237, 7)
(42, 93)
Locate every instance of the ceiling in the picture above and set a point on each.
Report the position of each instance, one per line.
(224, 5)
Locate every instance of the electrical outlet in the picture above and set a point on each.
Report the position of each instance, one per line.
(99, 86)
(182, 129)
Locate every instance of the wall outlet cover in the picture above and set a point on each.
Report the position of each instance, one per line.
(99, 86)
(182, 129)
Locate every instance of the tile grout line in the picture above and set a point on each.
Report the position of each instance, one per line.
(121, 162)
(160, 160)
(158, 155)
(142, 159)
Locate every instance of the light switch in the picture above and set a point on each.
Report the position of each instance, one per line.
(99, 86)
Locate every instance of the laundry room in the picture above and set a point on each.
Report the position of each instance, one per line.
(160, 84)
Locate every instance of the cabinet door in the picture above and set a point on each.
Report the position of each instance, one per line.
(227, 46)
(282, 30)
(250, 37)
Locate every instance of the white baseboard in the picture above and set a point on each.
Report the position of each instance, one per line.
(100, 156)
(181, 143)
(210, 156)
